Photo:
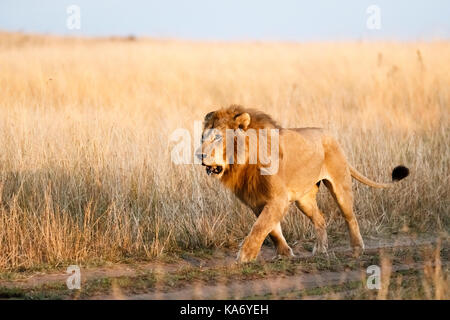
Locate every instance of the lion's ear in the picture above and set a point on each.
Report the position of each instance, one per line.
(242, 120)
(209, 115)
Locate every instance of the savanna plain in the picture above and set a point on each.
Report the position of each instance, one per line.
(86, 175)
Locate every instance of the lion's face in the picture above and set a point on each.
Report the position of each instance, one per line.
(214, 139)
(213, 151)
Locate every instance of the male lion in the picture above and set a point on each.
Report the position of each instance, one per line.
(307, 156)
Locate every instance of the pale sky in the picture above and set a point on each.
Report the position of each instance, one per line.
(284, 20)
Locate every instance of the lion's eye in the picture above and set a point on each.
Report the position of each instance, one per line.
(218, 137)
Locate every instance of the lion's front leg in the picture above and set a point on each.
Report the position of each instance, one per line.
(266, 222)
(283, 249)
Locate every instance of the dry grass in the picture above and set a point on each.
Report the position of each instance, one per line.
(85, 171)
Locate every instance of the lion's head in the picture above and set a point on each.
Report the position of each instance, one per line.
(222, 129)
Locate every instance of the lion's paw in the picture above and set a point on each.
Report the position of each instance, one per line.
(320, 249)
(285, 252)
(357, 251)
(244, 257)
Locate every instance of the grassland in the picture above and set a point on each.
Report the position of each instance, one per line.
(85, 169)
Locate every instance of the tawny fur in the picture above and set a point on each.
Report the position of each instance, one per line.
(306, 157)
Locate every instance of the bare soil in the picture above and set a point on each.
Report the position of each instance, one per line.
(242, 283)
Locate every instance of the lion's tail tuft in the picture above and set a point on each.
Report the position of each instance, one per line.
(399, 173)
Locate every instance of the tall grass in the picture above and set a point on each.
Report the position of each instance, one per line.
(85, 170)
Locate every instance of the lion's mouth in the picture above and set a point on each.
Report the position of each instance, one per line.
(213, 170)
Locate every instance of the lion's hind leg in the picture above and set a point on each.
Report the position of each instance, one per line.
(308, 205)
(342, 193)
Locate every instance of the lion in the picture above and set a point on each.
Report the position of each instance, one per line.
(306, 156)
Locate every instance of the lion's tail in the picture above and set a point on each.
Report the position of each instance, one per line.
(398, 174)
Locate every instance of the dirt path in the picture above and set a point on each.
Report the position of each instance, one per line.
(273, 286)
(223, 288)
